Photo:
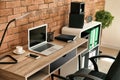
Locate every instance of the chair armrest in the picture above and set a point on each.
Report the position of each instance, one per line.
(84, 75)
(92, 59)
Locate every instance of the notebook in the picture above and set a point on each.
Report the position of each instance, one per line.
(37, 41)
(66, 37)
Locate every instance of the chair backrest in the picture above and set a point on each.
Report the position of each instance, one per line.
(114, 71)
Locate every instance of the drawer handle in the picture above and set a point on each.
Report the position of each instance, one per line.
(65, 55)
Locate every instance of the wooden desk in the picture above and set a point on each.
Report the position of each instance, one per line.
(40, 69)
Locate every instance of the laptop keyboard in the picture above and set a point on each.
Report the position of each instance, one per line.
(44, 47)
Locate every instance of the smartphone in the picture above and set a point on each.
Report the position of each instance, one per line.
(33, 56)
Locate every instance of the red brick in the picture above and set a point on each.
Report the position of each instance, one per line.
(48, 29)
(34, 18)
(57, 32)
(20, 10)
(67, 9)
(50, 20)
(23, 37)
(5, 12)
(26, 2)
(54, 14)
(61, 11)
(66, 20)
(68, 1)
(31, 2)
(60, 3)
(37, 23)
(10, 37)
(21, 21)
(3, 19)
(26, 27)
(52, 5)
(11, 24)
(44, 15)
(3, 46)
(13, 4)
(53, 10)
(1, 33)
(57, 18)
(24, 41)
(55, 28)
(2, 26)
(2, 5)
(38, 2)
(61, 22)
(50, 10)
(43, 6)
(4, 51)
(53, 24)
(33, 7)
(23, 34)
(13, 30)
(14, 43)
(48, 1)
(13, 16)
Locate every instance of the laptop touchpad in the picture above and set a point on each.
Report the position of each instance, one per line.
(43, 47)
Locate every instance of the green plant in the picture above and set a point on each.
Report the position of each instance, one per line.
(105, 17)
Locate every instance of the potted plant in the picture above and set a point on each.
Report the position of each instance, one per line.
(105, 17)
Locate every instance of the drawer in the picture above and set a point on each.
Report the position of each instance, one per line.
(59, 62)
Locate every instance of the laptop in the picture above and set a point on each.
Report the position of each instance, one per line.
(37, 41)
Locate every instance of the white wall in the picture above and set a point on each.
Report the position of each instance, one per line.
(111, 35)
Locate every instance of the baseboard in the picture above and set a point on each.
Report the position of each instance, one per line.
(113, 46)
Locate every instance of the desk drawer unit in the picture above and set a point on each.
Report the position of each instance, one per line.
(56, 64)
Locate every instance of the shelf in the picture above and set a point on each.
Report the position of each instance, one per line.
(40, 74)
(93, 47)
(82, 48)
(85, 34)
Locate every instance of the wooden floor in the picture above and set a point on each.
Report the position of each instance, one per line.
(104, 64)
(109, 51)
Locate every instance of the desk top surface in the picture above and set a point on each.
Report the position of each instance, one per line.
(27, 66)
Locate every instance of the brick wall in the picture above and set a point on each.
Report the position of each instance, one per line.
(52, 12)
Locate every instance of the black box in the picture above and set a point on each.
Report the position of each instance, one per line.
(77, 8)
(76, 20)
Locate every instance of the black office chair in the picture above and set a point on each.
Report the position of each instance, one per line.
(87, 74)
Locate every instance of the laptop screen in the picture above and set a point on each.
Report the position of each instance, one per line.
(37, 35)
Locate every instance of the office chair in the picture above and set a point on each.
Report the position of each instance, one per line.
(87, 74)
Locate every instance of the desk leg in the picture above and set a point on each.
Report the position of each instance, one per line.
(56, 73)
(59, 72)
(79, 62)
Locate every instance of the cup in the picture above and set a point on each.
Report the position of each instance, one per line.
(50, 36)
(19, 49)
